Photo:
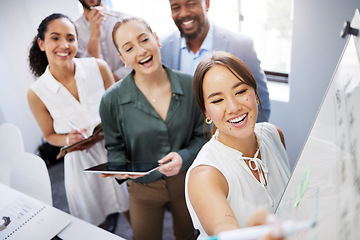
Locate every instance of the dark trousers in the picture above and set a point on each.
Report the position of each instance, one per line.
(147, 208)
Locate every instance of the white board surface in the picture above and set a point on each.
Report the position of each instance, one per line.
(325, 184)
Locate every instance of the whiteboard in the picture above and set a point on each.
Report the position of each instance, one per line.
(325, 183)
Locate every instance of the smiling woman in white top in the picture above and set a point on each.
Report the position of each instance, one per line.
(69, 89)
(245, 165)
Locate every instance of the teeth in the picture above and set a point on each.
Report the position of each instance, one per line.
(145, 60)
(62, 54)
(188, 22)
(239, 119)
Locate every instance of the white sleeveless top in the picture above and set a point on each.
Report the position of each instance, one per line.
(63, 107)
(246, 193)
(90, 197)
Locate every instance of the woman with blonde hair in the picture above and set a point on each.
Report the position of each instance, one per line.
(151, 116)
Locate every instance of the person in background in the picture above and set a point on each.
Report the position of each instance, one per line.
(244, 166)
(151, 116)
(198, 37)
(67, 90)
(94, 35)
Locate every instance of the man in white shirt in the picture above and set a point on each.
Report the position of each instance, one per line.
(94, 29)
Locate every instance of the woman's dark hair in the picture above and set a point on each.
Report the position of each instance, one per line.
(37, 58)
(125, 20)
(231, 62)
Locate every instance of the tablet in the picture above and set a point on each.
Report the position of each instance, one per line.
(132, 168)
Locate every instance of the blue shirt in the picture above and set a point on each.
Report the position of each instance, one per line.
(190, 60)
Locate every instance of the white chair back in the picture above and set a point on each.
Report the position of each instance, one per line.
(11, 144)
(29, 174)
(11, 141)
(20, 170)
(5, 165)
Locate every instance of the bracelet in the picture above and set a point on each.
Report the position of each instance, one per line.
(67, 140)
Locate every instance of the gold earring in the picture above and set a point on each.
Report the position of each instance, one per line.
(208, 120)
(257, 101)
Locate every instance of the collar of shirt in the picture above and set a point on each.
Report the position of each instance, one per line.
(255, 163)
(53, 85)
(190, 60)
(130, 90)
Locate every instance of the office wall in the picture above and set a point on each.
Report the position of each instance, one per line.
(317, 47)
(316, 50)
(18, 25)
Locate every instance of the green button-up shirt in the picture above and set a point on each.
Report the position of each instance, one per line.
(134, 131)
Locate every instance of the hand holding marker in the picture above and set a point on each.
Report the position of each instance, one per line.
(288, 228)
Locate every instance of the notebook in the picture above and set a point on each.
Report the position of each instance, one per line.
(30, 219)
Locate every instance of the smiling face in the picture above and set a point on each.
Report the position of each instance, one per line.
(190, 17)
(138, 46)
(60, 43)
(230, 103)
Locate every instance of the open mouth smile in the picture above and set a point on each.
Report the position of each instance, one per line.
(62, 54)
(145, 60)
(238, 119)
(187, 22)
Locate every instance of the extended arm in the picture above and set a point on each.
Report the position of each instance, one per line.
(214, 213)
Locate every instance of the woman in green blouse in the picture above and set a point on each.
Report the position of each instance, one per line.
(151, 116)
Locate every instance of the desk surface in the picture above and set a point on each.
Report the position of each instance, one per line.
(41, 219)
